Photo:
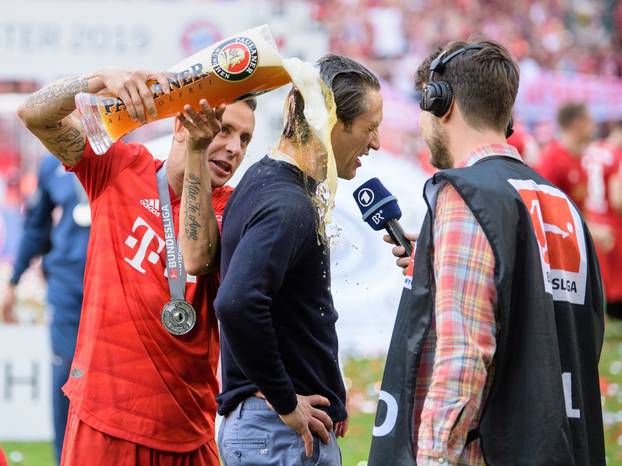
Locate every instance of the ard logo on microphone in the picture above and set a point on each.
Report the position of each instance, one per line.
(559, 231)
(365, 197)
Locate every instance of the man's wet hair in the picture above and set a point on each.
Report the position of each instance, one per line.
(350, 82)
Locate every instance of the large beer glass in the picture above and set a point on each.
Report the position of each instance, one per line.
(245, 65)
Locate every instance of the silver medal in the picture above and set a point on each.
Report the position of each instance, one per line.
(178, 317)
(82, 214)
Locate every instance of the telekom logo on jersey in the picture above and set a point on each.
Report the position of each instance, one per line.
(559, 231)
(147, 245)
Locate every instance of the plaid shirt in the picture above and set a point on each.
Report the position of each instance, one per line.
(455, 371)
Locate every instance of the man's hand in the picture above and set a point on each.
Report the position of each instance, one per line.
(202, 126)
(133, 88)
(306, 418)
(398, 251)
(8, 305)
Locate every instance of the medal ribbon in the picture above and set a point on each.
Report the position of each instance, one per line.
(175, 271)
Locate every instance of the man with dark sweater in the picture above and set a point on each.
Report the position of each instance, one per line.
(281, 377)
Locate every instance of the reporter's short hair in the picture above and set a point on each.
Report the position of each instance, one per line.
(484, 81)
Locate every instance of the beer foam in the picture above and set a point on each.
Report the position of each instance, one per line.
(320, 113)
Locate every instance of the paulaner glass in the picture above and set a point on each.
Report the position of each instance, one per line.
(239, 67)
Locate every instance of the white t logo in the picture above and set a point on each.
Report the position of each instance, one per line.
(148, 236)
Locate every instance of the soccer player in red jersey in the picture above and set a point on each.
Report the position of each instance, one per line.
(142, 392)
(603, 209)
(560, 161)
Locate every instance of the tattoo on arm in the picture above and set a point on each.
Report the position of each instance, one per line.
(192, 207)
(47, 114)
(56, 95)
(68, 142)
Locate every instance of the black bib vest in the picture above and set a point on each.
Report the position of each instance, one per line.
(544, 405)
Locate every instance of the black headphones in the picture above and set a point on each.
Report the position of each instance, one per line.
(436, 96)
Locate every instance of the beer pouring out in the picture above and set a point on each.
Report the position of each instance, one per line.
(233, 69)
(242, 66)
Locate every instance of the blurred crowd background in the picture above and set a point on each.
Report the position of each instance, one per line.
(570, 38)
(579, 36)
(569, 52)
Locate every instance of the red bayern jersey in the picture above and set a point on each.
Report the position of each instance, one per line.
(601, 162)
(564, 170)
(130, 378)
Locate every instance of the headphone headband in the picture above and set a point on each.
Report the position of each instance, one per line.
(438, 64)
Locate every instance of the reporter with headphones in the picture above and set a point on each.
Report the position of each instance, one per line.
(494, 355)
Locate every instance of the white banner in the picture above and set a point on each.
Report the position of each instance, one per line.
(25, 383)
(44, 40)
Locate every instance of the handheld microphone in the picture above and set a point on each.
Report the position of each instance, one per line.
(380, 210)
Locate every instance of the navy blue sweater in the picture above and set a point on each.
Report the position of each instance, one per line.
(274, 304)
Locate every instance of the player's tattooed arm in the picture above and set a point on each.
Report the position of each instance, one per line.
(200, 241)
(48, 115)
(192, 207)
(49, 112)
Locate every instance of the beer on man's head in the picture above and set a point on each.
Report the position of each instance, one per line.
(235, 68)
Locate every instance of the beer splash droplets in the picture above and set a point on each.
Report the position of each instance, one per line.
(320, 113)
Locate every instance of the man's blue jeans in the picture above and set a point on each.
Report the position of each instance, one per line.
(254, 435)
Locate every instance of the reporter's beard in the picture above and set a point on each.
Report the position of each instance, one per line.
(440, 157)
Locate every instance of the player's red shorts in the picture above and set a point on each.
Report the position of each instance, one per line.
(85, 446)
(3, 461)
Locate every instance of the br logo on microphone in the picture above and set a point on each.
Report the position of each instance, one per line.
(377, 218)
(365, 197)
(559, 231)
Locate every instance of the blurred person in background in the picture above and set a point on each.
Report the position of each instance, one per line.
(560, 161)
(525, 144)
(141, 391)
(63, 245)
(603, 210)
(494, 355)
